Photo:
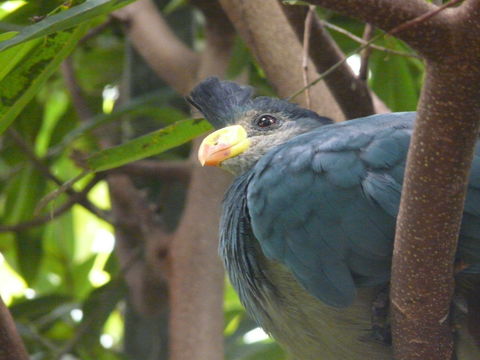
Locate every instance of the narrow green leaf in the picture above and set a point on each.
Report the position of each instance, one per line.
(33, 309)
(173, 5)
(11, 57)
(65, 20)
(29, 253)
(148, 145)
(22, 196)
(21, 84)
(137, 106)
(394, 78)
(23, 192)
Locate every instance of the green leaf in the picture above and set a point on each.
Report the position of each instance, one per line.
(65, 20)
(239, 60)
(29, 253)
(395, 78)
(148, 145)
(22, 196)
(11, 57)
(80, 276)
(137, 106)
(21, 84)
(24, 190)
(173, 5)
(35, 308)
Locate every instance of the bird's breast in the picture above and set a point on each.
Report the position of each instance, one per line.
(311, 330)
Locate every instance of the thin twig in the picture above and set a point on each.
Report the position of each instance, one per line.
(306, 44)
(334, 67)
(363, 41)
(423, 17)
(365, 54)
(54, 214)
(59, 191)
(45, 170)
(97, 30)
(79, 102)
(395, 30)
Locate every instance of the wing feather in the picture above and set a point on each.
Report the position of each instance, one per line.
(325, 205)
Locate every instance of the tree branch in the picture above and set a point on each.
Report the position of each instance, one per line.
(365, 54)
(197, 274)
(138, 229)
(179, 171)
(11, 345)
(72, 200)
(45, 170)
(365, 41)
(386, 14)
(78, 100)
(172, 60)
(278, 51)
(325, 53)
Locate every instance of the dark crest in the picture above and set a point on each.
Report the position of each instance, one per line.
(220, 101)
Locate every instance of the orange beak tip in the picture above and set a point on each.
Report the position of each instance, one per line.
(213, 155)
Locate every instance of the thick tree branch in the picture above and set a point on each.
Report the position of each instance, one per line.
(430, 214)
(324, 52)
(278, 51)
(172, 60)
(197, 274)
(388, 14)
(11, 346)
(138, 231)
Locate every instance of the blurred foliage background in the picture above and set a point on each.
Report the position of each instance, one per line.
(59, 275)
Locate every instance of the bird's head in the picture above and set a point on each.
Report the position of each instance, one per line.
(248, 127)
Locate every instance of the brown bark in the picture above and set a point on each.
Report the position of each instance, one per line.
(196, 326)
(278, 51)
(437, 167)
(388, 14)
(11, 345)
(170, 58)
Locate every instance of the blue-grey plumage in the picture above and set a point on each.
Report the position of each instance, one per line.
(308, 225)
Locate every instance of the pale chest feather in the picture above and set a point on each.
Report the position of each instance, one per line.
(311, 330)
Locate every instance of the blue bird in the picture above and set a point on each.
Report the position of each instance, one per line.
(308, 224)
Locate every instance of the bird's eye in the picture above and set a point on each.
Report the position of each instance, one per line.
(265, 121)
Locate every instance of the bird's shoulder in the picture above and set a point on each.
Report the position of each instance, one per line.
(378, 141)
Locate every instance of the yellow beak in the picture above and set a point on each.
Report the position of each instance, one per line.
(223, 144)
